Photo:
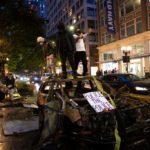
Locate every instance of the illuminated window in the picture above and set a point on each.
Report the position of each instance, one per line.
(129, 7)
(137, 3)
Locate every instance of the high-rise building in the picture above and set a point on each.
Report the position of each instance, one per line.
(38, 5)
(80, 13)
(124, 25)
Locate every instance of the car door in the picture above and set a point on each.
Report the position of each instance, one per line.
(112, 80)
(115, 82)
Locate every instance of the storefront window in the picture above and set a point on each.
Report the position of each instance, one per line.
(140, 49)
(130, 28)
(137, 49)
(107, 56)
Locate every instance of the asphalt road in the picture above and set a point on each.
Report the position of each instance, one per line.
(21, 141)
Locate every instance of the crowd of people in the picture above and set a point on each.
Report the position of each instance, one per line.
(101, 72)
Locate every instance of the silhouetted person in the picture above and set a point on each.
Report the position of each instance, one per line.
(10, 81)
(99, 73)
(66, 48)
(2, 93)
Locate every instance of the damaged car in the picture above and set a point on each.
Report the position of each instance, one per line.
(85, 113)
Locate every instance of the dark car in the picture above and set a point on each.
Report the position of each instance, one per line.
(68, 121)
(133, 82)
(35, 79)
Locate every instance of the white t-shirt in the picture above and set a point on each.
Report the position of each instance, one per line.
(80, 46)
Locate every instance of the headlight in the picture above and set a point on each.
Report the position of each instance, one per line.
(36, 78)
(141, 88)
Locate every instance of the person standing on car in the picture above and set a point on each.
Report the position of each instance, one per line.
(80, 54)
(50, 57)
(66, 47)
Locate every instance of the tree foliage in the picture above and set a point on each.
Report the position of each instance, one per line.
(19, 28)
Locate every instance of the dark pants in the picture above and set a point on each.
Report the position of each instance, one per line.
(64, 56)
(81, 56)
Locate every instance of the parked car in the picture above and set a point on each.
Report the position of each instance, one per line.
(45, 76)
(133, 82)
(35, 78)
(69, 121)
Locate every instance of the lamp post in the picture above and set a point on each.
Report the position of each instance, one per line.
(126, 58)
(41, 41)
(71, 28)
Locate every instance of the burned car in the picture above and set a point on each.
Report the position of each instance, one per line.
(72, 118)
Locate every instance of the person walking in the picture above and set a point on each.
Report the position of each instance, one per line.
(66, 47)
(80, 54)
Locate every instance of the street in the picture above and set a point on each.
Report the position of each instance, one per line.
(19, 137)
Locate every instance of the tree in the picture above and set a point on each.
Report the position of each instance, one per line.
(20, 27)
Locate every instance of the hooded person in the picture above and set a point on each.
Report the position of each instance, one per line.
(66, 48)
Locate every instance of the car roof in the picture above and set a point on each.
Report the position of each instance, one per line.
(118, 74)
(70, 79)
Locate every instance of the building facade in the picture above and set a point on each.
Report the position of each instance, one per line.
(37, 5)
(124, 23)
(79, 13)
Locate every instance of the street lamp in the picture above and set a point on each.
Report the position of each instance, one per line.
(126, 58)
(71, 28)
(40, 40)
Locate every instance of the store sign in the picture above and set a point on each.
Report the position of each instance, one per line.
(97, 101)
(110, 15)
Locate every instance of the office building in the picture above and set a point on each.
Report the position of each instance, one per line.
(124, 25)
(37, 5)
(81, 14)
